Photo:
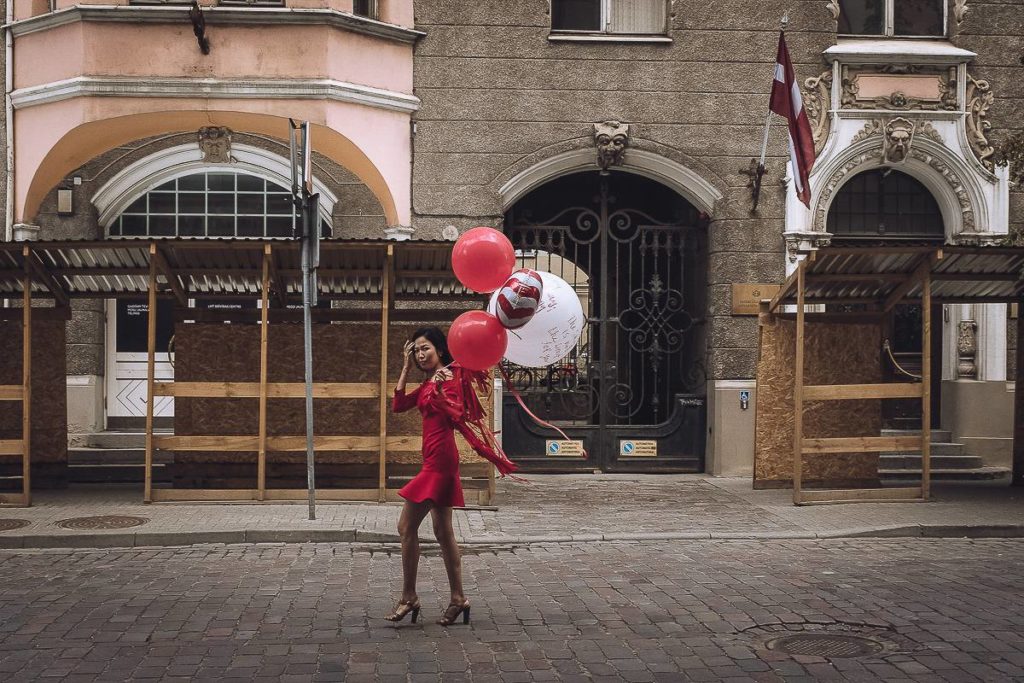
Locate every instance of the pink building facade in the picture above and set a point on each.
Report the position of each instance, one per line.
(137, 120)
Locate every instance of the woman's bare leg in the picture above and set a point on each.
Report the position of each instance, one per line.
(442, 518)
(408, 529)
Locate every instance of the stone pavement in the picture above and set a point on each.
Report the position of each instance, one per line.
(549, 508)
(918, 609)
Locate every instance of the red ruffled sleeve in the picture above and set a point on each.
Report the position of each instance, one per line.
(457, 399)
(402, 401)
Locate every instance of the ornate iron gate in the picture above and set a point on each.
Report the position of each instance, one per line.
(633, 388)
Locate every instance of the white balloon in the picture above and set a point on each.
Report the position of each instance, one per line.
(553, 331)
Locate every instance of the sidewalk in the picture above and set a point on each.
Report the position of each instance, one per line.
(548, 509)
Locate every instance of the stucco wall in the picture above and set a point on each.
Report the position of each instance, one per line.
(356, 214)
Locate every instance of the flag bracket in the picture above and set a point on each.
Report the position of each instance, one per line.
(755, 172)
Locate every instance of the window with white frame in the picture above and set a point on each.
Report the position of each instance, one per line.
(209, 204)
(615, 17)
(907, 18)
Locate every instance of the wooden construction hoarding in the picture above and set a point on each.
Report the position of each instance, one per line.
(363, 272)
(845, 292)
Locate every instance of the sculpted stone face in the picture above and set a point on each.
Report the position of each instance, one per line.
(611, 139)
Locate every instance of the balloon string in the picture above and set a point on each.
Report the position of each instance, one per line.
(519, 400)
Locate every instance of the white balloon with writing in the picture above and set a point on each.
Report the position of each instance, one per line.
(554, 329)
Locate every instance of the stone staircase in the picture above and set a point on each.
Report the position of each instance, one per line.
(949, 464)
(115, 457)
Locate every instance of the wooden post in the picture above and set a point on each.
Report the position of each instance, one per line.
(1018, 403)
(798, 389)
(26, 385)
(150, 373)
(261, 475)
(386, 277)
(926, 384)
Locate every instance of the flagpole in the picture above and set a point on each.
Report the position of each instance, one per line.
(760, 170)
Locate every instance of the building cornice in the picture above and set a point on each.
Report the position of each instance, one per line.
(214, 88)
(216, 16)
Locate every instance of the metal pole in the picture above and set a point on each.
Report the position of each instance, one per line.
(307, 339)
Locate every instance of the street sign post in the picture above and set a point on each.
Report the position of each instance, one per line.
(308, 230)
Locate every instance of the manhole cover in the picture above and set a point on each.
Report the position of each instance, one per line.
(11, 524)
(102, 522)
(829, 645)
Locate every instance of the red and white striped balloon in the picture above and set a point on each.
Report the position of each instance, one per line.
(516, 301)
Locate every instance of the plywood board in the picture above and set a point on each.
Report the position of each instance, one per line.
(835, 354)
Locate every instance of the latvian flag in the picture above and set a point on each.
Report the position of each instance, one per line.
(786, 101)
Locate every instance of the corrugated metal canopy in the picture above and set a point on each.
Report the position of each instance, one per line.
(213, 268)
(878, 275)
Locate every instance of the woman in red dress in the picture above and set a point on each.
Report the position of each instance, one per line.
(447, 401)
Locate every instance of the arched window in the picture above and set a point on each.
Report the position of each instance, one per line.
(209, 204)
(884, 203)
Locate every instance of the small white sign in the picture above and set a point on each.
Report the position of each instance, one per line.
(557, 448)
(634, 448)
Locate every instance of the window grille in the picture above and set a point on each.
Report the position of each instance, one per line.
(905, 18)
(885, 203)
(209, 204)
(618, 17)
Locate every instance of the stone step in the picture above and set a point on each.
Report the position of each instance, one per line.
(938, 435)
(120, 439)
(83, 456)
(936, 449)
(912, 461)
(115, 465)
(947, 476)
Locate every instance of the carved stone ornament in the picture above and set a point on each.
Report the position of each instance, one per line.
(874, 127)
(611, 138)
(850, 97)
(966, 349)
(947, 90)
(817, 102)
(960, 11)
(833, 8)
(215, 144)
(979, 99)
(798, 243)
(878, 126)
(928, 130)
(1011, 153)
(872, 157)
(899, 136)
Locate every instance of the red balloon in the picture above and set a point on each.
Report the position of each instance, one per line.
(482, 259)
(477, 340)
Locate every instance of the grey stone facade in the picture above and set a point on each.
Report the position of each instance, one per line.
(499, 96)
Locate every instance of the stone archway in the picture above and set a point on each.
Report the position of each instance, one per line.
(689, 184)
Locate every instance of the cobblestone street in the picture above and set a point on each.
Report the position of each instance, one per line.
(933, 609)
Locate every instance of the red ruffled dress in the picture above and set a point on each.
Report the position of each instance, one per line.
(446, 407)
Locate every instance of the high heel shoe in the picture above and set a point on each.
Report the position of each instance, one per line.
(452, 612)
(405, 607)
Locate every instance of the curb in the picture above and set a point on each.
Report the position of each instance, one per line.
(252, 536)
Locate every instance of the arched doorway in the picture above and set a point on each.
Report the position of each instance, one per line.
(888, 207)
(214, 203)
(632, 390)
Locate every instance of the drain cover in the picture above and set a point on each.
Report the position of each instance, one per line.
(829, 645)
(102, 522)
(11, 524)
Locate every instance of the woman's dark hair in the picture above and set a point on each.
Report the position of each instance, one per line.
(435, 336)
